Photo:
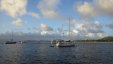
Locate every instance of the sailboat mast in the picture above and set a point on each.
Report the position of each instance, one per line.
(62, 32)
(69, 27)
(12, 36)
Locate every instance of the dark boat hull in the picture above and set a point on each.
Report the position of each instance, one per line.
(66, 46)
(10, 42)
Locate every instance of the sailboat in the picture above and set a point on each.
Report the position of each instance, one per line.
(62, 43)
(12, 41)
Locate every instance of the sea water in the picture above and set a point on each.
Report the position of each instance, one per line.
(34, 53)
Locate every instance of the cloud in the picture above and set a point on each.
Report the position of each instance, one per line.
(105, 7)
(96, 8)
(110, 26)
(34, 15)
(88, 29)
(89, 11)
(85, 9)
(13, 7)
(16, 8)
(44, 29)
(17, 22)
(48, 8)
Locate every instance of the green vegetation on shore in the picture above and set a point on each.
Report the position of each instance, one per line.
(93, 40)
(105, 39)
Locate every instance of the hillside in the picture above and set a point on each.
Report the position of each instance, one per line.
(107, 38)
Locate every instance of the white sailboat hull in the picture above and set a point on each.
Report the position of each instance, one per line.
(65, 44)
(62, 43)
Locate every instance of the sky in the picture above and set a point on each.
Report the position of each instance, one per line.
(89, 19)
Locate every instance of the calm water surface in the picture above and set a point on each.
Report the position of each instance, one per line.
(44, 54)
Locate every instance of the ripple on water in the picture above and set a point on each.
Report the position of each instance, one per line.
(43, 54)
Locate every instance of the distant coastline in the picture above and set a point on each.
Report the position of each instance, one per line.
(93, 41)
(102, 40)
(105, 39)
(108, 39)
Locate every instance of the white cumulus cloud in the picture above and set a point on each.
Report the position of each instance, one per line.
(48, 8)
(105, 7)
(17, 22)
(44, 29)
(97, 7)
(88, 29)
(85, 9)
(13, 7)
